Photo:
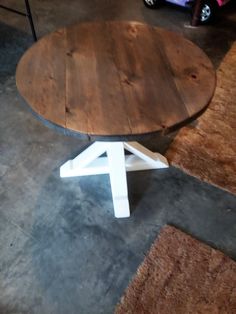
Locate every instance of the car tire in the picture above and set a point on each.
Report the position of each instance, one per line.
(152, 4)
(208, 12)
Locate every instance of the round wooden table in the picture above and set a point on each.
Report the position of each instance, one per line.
(115, 81)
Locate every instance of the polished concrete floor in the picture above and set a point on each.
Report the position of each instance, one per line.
(61, 249)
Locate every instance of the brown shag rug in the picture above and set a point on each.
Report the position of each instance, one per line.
(208, 150)
(181, 275)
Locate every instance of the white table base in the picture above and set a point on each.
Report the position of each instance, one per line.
(116, 164)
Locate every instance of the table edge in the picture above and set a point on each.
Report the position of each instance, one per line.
(110, 138)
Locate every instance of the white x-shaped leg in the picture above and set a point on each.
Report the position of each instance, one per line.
(115, 164)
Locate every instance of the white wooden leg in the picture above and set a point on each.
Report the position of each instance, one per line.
(117, 171)
(77, 166)
(154, 159)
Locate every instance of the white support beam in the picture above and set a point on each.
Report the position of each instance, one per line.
(139, 150)
(115, 164)
(71, 167)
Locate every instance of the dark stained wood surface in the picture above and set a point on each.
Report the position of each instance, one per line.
(116, 79)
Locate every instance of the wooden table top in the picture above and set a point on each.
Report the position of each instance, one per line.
(116, 79)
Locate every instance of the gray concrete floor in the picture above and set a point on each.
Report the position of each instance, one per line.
(61, 249)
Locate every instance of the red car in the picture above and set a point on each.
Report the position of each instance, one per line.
(208, 10)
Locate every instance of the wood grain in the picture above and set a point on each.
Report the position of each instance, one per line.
(40, 77)
(116, 79)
